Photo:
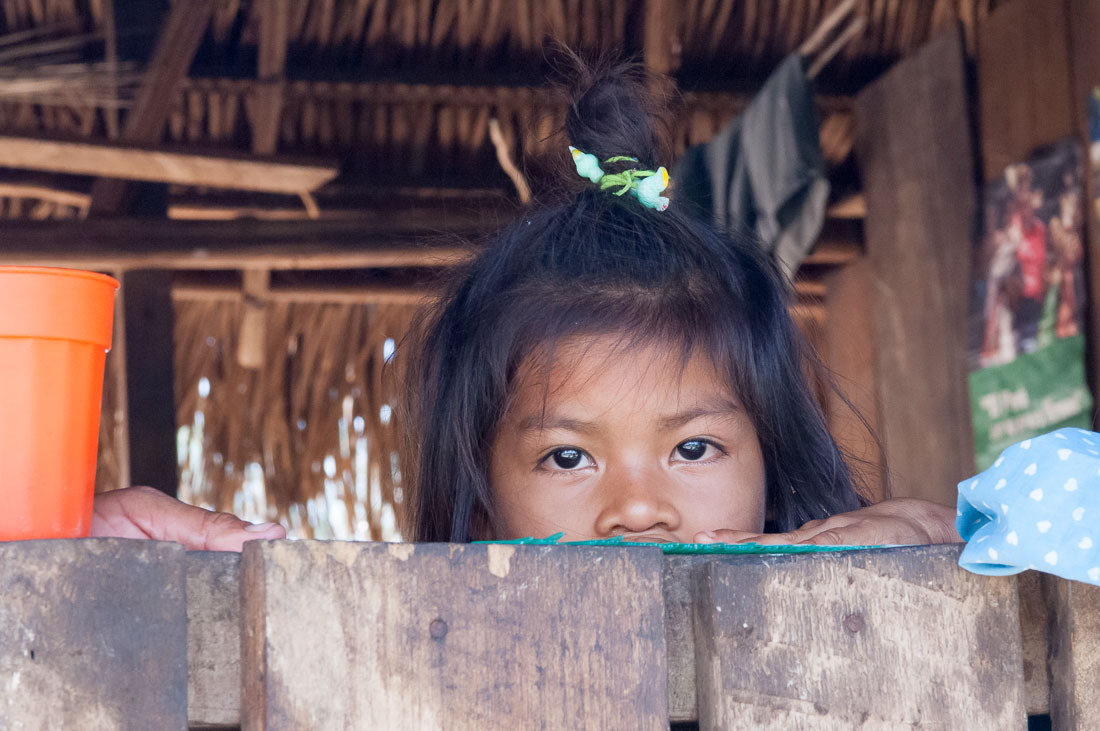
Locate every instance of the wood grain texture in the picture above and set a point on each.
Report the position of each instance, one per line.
(1074, 611)
(876, 639)
(918, 173)
(406, 636)
(213, 638)
(93, 635)
(678, 589)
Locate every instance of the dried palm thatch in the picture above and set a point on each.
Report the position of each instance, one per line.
(310, 439)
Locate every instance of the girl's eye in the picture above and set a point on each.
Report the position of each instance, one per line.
(567, 458)
(695, 450)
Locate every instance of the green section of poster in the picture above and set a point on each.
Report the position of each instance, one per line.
(1031, 395)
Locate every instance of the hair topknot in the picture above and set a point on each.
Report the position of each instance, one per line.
(615, 110)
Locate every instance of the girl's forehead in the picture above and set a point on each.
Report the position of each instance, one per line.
(609, 364)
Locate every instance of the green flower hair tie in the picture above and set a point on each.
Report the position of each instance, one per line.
(646, 185)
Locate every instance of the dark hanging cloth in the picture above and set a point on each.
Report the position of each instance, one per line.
(764, 171)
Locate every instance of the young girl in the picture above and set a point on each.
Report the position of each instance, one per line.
(608, 367)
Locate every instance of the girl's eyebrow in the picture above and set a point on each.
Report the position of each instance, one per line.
(725, 409)
(540, 422)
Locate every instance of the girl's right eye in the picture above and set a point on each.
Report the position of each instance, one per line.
(566, 458)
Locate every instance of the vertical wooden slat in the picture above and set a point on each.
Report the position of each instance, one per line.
(918, 175)
(213, 638)
(265, 107)
(1074, 610)
(849, 352)
(407, 636)
(150, 368)
(660, 39)
(892, 638)
(93, 635)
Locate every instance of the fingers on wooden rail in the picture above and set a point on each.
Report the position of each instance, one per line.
(870, 639)
(93, 635)
(346, 635)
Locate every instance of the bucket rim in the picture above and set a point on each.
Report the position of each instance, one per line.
(60, 272)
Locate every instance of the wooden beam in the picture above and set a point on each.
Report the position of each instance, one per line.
(401, 238)
(379, 293)
(266, 103)
(179, 40)
(164, 166)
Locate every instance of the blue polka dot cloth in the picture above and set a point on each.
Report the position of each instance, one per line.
(1037, 507)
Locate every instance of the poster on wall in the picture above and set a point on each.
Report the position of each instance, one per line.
(1027, 342)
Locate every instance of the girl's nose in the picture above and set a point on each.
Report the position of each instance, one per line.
(636, 503)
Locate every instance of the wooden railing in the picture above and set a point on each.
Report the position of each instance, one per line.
(108, 633)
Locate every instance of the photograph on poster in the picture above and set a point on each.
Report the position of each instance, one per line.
(1027, 345)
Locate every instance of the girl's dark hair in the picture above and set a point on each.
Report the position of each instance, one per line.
(595, 263)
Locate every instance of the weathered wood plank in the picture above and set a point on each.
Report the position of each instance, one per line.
(93, 635)
(678, 590)
(918, 173)
(875, 639)
(1074, 637)
(272, 175)
(1034, 625)
(406, 636)
(213, 638)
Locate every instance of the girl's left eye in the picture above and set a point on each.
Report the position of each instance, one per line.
(695, 450)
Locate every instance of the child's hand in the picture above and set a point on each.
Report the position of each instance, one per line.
(142, 512)
(900, 522)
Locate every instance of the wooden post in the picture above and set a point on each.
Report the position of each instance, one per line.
(150, 385)
(93, 635)
(918, 175)
(871, 639)
(454, 636)
(250, 344)
(1074, 637)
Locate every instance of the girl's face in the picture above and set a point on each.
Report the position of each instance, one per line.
(614, 440)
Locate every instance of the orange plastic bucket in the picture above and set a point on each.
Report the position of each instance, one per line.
(55, 331)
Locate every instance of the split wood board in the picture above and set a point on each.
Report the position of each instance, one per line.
(213, 638)
(884, 638)
(93, 635)
(919, 180)
(164, 166)
(1074, 610)
(403, 636)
